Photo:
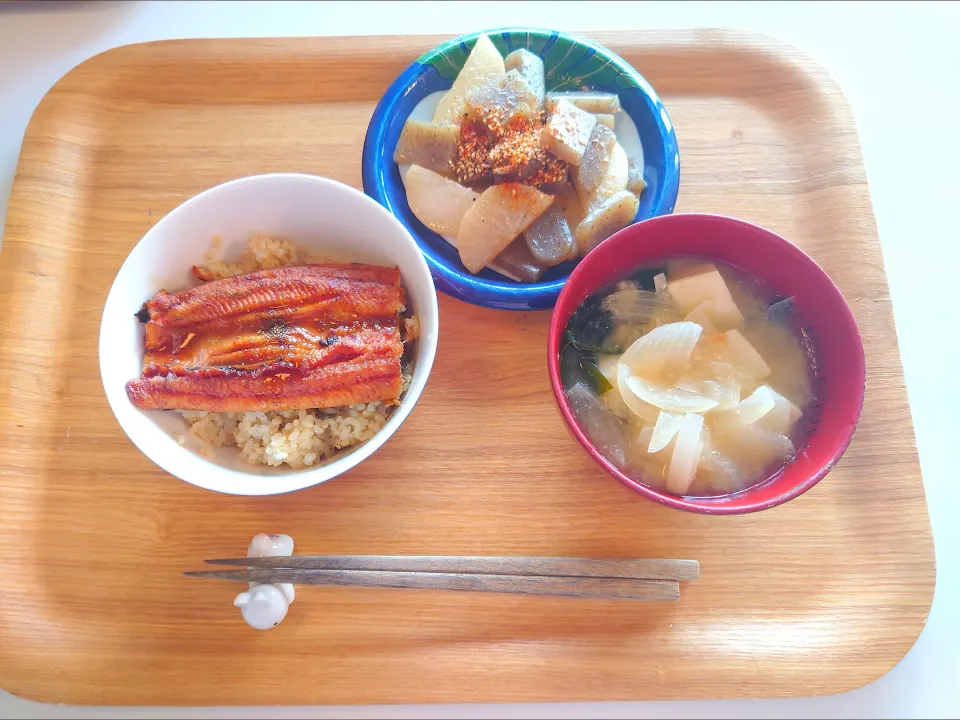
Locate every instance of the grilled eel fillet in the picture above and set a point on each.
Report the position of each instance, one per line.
(288, 338)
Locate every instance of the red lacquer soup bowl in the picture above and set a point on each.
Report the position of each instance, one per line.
(827, 320)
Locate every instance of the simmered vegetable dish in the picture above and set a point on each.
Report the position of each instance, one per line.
(516, 178)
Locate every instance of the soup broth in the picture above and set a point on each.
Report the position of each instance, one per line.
(690, 376)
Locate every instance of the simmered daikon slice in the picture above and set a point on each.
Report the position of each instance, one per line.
(550, 238)
(484, 62)
(606, 431)
(753, 449)
(635, 182)
(632, 305)
(664, 349)
(500, 99)
(639, 407)
(595, 160)
(720, 472)
(701, 283)
(671, 399)
(592, 102)
(430, 145)
(739, 353)
(606, 120)
(613, 181)
(500, 214)
(782, 417)
(438, 202)
(567, 132)
(518, 263)
(612, 216)
(530, 67)
(686, 454)
(666, 427)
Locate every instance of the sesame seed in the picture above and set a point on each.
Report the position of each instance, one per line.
(508, 151)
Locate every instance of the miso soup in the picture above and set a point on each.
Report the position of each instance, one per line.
(690, 376)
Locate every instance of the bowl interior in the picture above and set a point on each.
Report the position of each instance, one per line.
(323, 217)
(827, 320)
(570, 62)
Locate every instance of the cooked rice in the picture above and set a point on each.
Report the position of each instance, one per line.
(299, 438)
(262, 252)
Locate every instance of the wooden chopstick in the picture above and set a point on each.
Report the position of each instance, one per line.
(644, 569)
(583, 587)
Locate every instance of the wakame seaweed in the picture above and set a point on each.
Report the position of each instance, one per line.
(599, 350)
(582, 341)
(591, 323)
(781, 311)
(597, 380)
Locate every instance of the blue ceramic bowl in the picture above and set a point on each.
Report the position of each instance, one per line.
(570, 62)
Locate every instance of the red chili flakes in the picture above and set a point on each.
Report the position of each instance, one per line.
(473, 152)
(511, 153)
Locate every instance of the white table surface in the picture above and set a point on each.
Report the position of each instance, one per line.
(899, 64)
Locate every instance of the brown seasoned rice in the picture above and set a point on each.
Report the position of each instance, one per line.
(299, 438)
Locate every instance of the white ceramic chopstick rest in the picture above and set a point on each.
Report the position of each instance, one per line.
(264, 605)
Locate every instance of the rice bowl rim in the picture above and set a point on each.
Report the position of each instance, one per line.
(207, 473)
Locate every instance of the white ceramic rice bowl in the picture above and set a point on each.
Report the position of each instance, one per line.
(321, 216)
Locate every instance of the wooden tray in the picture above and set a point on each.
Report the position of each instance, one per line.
(819, 596)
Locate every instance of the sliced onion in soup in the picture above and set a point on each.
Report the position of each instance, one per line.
(671, 399)
(637, 405)
(686, 454)
(633, 305)
(727, 395)
(667, 425)
(754, 407)
(667, 347)
(607, 364)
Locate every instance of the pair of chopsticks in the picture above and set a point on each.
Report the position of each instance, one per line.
(620, 579)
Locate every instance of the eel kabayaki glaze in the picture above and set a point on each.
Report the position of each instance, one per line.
(288, 338)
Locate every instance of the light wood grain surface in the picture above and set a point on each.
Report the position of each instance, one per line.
(818, 596)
